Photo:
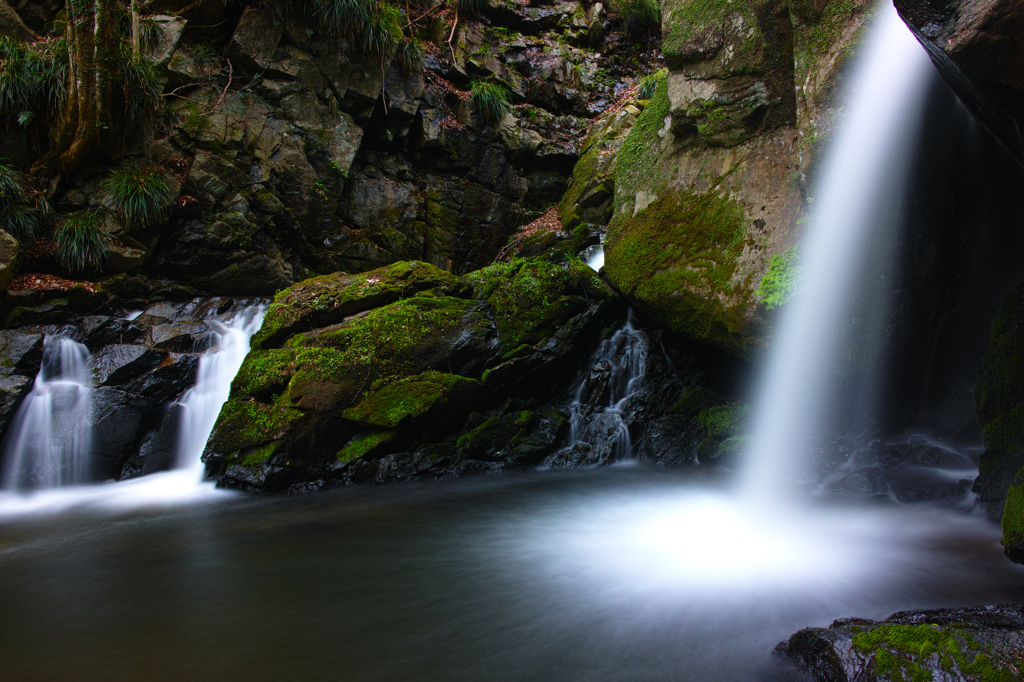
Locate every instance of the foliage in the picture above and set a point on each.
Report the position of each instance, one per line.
(649, 83)
(490, 100)
(382, 30)
(782, 279)
(346, 17)
(143, 85)
(639, 16)
(17, 218)
(140, 195)
(33, 78)
(409, 56)
(82, 243)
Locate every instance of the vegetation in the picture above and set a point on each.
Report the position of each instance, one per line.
(898, 648)
(17, 218)
(375, 26)
(649, 83)
(491, 100)
(140, 195)
(409, 56)
(782, 279)
(33, 80)
(82, 243)
(471, 8)
(639, 16)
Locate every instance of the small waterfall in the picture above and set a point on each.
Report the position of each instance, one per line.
(598, 432)
(868, 160)
(50, 438)
(201, 404)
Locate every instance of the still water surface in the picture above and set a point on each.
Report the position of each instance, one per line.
(613, 575)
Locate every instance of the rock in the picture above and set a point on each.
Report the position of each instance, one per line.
(976, 46)
(118, 420)
(120, 364)
(20, 357)
(349, 371)
(1000, 398)
(10, 259)
(121, 259)
(171, 30)
(256, 38)
(12, 26)
(959, 645)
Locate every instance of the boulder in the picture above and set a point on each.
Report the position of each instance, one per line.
(10, 259)
(959, 645)
(20, 357)
(256, 38)
(12, 26)
(977, 46)
(120, 364)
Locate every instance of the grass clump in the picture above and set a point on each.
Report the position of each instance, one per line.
(409, 56)
(33, 79)
(140, 195)
(649, 83)
(782, 279)
(17, 218)
(491, 100)
(382, 31)
(82, 243)
(143, 87)
(346, 17)
(639, 16)
(471, 8)
(375, 26)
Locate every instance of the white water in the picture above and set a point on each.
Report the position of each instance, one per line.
(869, 158)
(200, 406)
(49, 442)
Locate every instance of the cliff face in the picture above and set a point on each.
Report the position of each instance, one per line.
(712, 181)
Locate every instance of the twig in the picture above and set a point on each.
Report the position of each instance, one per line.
(231, 73)
(423, 16)
(452, 34)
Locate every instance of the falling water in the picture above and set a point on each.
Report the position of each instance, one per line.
(202, 403)
(200, 406)
(869, 157)
(50, 438)
(598, 433)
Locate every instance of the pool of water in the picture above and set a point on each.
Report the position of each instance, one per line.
(603, 574)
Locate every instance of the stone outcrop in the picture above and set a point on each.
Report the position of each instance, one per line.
(977, 47)
(958, 645)
(711, 181)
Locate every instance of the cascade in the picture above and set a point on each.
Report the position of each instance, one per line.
(200, 406)
(598, 432)
(49, 441)
(868, 160)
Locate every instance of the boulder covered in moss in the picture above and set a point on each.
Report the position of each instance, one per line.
(972, 644)
(712, 180)
(999, 395)
(375, 376)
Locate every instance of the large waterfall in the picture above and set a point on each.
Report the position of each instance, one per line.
(51, 437)
(868, 160)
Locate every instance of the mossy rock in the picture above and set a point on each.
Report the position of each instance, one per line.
(724, 421)
(365, 445)
(329, 299)
(244, 423)
(396, 403)
(999, 395)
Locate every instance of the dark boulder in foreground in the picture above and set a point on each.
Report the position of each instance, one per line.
(976, 643)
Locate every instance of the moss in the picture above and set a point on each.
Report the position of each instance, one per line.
(736, 445)
(245, 423)
(724, 421)
(678, 258)
(693, 399)
(472, 440)
(638, 156)
(525, 418)
(689, 20)
(259, 455)
(265, 371)
(405, 399)
(531, 298)
(899, 651)
(328, 299)
(364, 444)
(1013, 514)
(816, 40)
(780, 282)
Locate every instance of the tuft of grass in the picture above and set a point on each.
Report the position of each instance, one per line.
(382, 30)
(17, 218)
(409, 56)
(143, 86)
(33, 79)
(82, 243)
(649, 83)
(490, 100)
(639, 16)
(346, 17)
(140, 195)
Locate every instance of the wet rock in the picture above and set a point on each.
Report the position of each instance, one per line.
(119, 364)
(118, 422)
(960, 645)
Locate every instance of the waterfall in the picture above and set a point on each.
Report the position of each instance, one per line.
(200, 406)
(598, 434)
(50, 438)
(869, 158)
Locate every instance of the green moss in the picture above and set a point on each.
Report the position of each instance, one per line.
(531, 298)
(678, 259)
(245, 423)
(265, 371)
(472, 440)
(364, 444)
(259, 455)
(396, 403)
(640, 151)
(525, 418)
(780, 282)
(899, 650)
(1013, 513)
(328, 299)
(688, 20)
(724, 421)
(693, 399)
(816, 40)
